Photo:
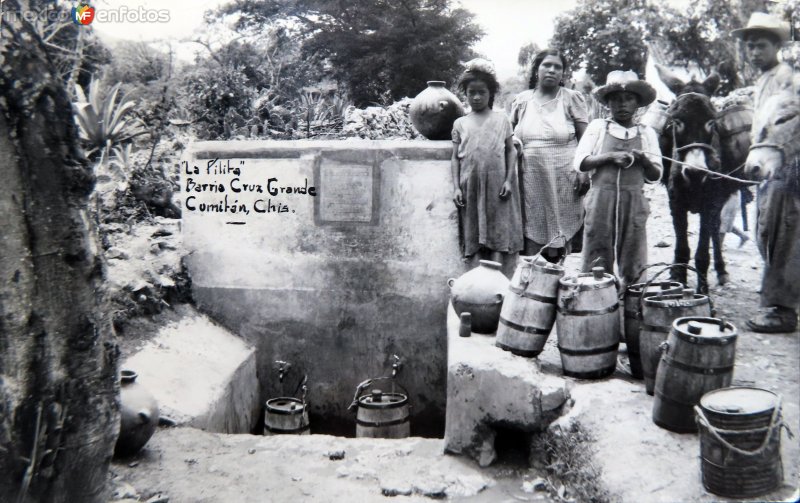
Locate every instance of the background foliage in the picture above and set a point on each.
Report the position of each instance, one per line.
(376, 49)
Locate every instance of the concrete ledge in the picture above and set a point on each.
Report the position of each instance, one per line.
(200, 374)
(488, 388)
(282, 149)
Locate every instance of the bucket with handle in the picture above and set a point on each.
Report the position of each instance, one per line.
(381, 414)
(657, 313)
(529, 307)
(287, 415)
(740, 441)
(632, 314)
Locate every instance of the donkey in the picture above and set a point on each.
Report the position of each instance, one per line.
(775, 157)
(691, 136)
(776, 153)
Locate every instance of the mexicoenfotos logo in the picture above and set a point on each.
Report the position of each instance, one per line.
(82, 14)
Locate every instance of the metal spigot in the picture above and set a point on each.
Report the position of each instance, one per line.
(283, 368)
(398, 363)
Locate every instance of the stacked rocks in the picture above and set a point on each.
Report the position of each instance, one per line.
(381, 123)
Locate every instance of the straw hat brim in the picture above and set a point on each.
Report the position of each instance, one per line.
(645, 92)
(781, 33)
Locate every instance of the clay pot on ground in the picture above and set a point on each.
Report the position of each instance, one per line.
(434, 110)
(480, 292)
(138, 415)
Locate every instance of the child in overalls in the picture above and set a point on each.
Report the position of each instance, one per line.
(620, 155)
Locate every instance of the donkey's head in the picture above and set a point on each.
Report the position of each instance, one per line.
(692, 122)
(776, 136)
(678, 86)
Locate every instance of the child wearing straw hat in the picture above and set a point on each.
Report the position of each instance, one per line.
(620, 155)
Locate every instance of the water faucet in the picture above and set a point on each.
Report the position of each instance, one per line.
(283, 368)
(396, 365)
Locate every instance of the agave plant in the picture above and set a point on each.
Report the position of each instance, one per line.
(103, 120)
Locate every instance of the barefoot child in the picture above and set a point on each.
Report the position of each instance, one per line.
(621, 156)
(483, 163)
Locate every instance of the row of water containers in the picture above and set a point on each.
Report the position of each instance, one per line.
(685, 355)
(379, 414)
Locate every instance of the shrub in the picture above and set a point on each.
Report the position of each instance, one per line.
(103, 120)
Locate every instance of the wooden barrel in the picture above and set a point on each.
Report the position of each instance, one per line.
(383, 415)
(740, 441)
(529, 307)
(286, 415)
(633, 295)
(658, 313)
(588, 324)
(699, 358)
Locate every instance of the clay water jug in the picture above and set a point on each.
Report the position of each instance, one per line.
(434, 110)
(138, 415)
(480, 292)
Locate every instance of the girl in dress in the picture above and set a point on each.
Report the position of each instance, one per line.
(486, 191)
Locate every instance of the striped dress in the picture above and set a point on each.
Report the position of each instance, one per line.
(547, 132)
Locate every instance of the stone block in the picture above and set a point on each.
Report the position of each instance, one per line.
(489, 388)
(201, 374)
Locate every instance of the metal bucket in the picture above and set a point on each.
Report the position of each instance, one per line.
(588, 324)
(740, 441)
(286, 415)
(633, 295)
(529, 307)
(698, 357)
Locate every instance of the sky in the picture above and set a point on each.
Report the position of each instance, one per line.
(509, 24)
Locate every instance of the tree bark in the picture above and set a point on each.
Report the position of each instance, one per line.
(59, 411)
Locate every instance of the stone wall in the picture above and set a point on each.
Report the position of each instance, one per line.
(332, 255)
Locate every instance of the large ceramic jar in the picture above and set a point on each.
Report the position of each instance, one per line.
(480, 292)
(139, 415)
(434, 110)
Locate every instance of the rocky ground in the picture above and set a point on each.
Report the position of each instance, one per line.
(605, 448)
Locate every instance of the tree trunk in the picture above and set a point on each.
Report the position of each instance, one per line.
(59, 411)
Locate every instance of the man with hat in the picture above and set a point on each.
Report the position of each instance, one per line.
(763, 38)
(620, 155)
(780, 298)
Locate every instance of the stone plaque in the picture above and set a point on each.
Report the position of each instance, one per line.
(346, 193)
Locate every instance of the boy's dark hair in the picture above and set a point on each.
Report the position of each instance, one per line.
(756, 34)
(537, 62)
(487, 78)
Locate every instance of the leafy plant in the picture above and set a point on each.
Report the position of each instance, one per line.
(103, 120)
(123, 160)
